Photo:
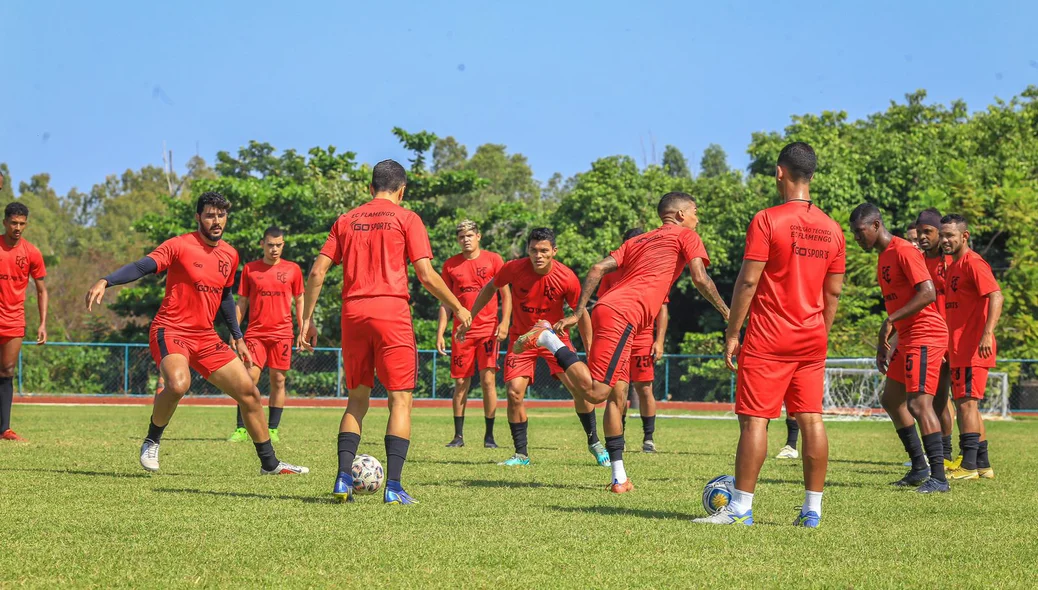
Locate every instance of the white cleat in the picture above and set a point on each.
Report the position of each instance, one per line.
(788, 452)
(150, 456)
(286, 469)
(727, 516)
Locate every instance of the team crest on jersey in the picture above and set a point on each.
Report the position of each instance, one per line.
(481, 272)
(224, 267)
(21, 261)
(511, 361)
(282, 277)
(954, 284)
(886, 274)
(457, 361)
(551, 292)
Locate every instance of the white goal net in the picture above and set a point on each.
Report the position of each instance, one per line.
(853, 388)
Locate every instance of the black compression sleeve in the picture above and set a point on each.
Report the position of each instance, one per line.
(230, 314)
(133, 271)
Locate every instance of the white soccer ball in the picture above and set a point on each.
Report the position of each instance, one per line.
(718, 493)
(368, 475)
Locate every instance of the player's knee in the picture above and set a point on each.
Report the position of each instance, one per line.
(515, 396)
(400, 401)
(277, 380)
(249, 398)
(7, 370)
(177, 385)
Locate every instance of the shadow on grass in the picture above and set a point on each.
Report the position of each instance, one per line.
(650, 514)
(828, 483)
(247, 496)
(498, 484)
(81, 472)
(860, 462)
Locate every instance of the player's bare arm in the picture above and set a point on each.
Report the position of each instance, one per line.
(309, 331)
(506, 313)
(662, 321)
(591, 281)
(484, 297)
(314, 282)
(925, 294)
(705, 285)
(987, 339)
(742, 296)
(831, 290)
(433, 283)
(585, 330)
(441, 328)
(42, 300)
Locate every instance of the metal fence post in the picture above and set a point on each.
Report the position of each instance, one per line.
(666, 377)
(20, 372)
(126, 369)
(436, 354)
(731, 387)
(338, 372)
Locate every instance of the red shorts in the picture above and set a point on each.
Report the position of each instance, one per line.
(642, 366)
(525, 364)
(10, 333)
(763, 385)
(274, 353)
(206, 352)
(378, 338)
(969, 382)
(610, 354)
(918, 368)
(472, 354)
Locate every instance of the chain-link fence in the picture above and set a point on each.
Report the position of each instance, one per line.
(92, 368)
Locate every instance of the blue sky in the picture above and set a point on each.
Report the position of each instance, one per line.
(95, 88)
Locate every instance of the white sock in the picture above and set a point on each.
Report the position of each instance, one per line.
(550, 340)
(619, 474)
(742, 502)
(812, 503)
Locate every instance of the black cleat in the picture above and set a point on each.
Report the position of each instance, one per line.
(457, 442)
(912, 479)
(932, 486)
(488, 443)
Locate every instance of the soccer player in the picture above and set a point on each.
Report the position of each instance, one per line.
(913, 371)
(912, 234)
(540, 285)
(928, 225)
(198, 287)
(373, 243)
(789, 288)
(646, 351)
(974, 305)
(465, 275)
(789, 451)
(19, 260)
(266, 292)
(649, 264)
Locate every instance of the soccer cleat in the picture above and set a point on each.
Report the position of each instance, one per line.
(401, 497)
(528, 341)
(909, 463)
(241, 435)
(955, 463)
(488, 443)
(649, 446)
(788, 452)
(949, 465)
(809, 520)
(727, 516)
(343, 490)
(273, 435)
(932, 486)
(621, 488)
(457, 442)
(600, 454)
(150, 456)
(986, 472)
(516, 461)
(960, 474)
(285, 469)
(913, 479)
(10, 435)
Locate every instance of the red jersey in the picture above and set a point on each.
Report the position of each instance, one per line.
(901, 268)
(198, 274)
(649, 264)
(373, 243)
(538, 297)
(937, 266)
(800, 245)
(270, 291)
(17, 264)
(466, 278)
(969, 283)
(610, 280)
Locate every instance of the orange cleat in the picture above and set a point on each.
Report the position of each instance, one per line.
(10, 435)
(621, 488)
(528, 341)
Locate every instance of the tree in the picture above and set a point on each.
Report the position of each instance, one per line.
(448, 155)
(714, 162)
(675, 163)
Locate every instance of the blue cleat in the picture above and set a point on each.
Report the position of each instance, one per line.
(398, 497)
(912, 479)
(933, 486)
(601, 455)
(809, 520)
(343, 490)
(516, 460)
(727, 516)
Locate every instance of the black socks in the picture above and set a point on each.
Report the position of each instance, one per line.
(348, 443)
(519, 437)
(267, 458)
(615, 446)
(935, 453)
(792, 432)
(459, 426)
(590, 427)
(154, 432)
(910, 439)
(396, 454)
(6, 401)
(648, 426)
(969, 442)
(274, 417)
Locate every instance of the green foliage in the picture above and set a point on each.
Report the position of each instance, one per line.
(675, 163)
(714, 162)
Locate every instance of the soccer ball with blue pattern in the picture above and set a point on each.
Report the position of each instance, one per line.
(368, 475)
(718, 493)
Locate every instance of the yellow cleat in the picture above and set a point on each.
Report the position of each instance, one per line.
(960, 474)
(986, 472)
(949, 465)
(954, 463)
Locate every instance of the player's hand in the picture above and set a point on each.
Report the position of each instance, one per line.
(657, 351)
(307, 338)
(463, 317)
(882, 360)
(441, 344)
(731, 352)
(243, 352)
(987, 345)
(563, 326)
(41, 335)
(459, 334)
(96, 294)
(502, 332)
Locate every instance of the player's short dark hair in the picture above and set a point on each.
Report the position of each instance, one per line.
(930, 216)
(633, 233)
(799, 160)
(388, 176)
(16, 209)
(540, 234)
(273, 232)
(212, 199)
(956, 219)
(866, 212)
(673, 201)
(911, 226)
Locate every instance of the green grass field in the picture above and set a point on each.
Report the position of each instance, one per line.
(78, 510)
